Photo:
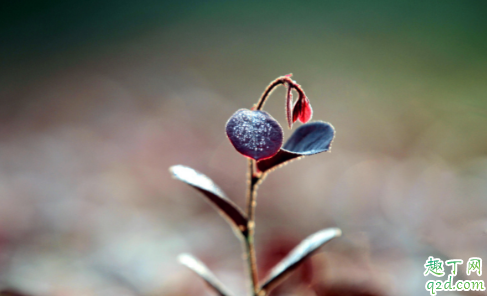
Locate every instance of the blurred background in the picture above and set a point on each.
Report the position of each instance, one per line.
(99, 98)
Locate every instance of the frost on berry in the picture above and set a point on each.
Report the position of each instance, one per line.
(254, 134)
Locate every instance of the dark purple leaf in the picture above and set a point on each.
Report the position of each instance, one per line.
(305, 249)
(255, 134)
(215, 195)
(200, 269)
(308, 139)
(281, 158)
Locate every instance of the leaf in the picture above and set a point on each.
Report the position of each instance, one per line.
(200, 269)
(255, 134)
(308, 139)
(305, 249)
(230, 211)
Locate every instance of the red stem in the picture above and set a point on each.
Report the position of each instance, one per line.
(280, 80)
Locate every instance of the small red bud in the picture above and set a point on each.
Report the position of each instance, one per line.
(302, 110)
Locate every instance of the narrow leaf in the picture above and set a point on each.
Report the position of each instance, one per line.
(230, 211)
(305, 249)
(308, 139)
(200, 269)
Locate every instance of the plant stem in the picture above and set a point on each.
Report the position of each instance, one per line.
(249, 239)
(253, 180)
(280, 80)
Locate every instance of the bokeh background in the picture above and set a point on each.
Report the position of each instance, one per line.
(99, 98)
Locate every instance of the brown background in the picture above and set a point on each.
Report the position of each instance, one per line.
(99, 98)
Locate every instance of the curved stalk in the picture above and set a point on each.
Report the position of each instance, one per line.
(253, 179)
(281, 80)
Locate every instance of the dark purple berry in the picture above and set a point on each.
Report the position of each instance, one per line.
(255, 134)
